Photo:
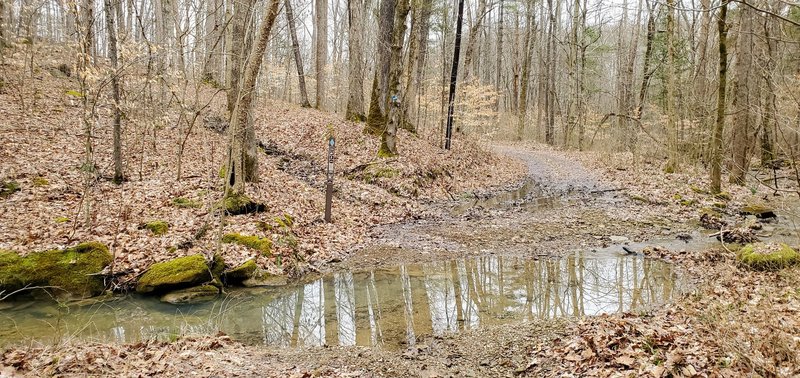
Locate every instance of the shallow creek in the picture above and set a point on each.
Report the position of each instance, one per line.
(390, 308)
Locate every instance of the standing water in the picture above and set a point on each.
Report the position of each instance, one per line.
(390, 308)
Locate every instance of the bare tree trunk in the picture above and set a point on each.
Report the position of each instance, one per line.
(298, 60)
(388, 138)
(243, 158)
(742, 118)
(474, 33)
(549, 95)
(769, 122)
(716, 141)
(355, 100)
(379, 99)
(454, 76)
(672, 116)
(112, 49)
(321, 27)
(239, 22)
(526, 70)
(498, 83)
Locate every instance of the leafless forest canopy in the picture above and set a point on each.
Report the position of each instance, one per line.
(710, 82)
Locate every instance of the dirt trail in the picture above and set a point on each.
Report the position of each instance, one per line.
(560, 207)
(556, 171)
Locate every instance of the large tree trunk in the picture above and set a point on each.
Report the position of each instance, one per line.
(112, 51)
(238, 49)
(743, 122)
(355, 100)
(420, 26)
(379, 99)
(298, 60)
(550, 87)
(672, 116)
(321, 27)
(388, 138)
(498, 84)
(769, 122)
(716, 141)
(526, 70)
(243, 158)
(454, 76)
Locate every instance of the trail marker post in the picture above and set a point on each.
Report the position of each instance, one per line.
(329, 181)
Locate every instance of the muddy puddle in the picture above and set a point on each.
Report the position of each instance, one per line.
(388, 308)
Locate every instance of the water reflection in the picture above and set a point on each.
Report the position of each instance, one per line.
(388, 308)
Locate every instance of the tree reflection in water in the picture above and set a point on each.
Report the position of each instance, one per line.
(388, 308)
(394, 307)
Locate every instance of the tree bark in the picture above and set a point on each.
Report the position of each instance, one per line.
(379, 99)
(388, 138)
(355, 100)
(321, 27)
(298, 60)
(243, 157)
(454, 76)
(672, 116)
(719, 127)
(236, 54)
(115, 84)
(526, 70)
(743, 121)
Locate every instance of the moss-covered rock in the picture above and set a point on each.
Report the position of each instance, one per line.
(192, 295)
(158, 227)
(260, 244)
(73, 270)
(759, 210)
(237, 204)
(767, 256)
(240, 273)
(174, 274)
(7, 188)
(185, 203)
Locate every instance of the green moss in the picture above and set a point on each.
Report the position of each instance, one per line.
(174, 274)
(755, 209)
(61, 220)
(241, 272)
(72, 269)
(384, 152)
(254, 242)
(185, 203)
(235, 204)
(689, 202)
(768, 256)
(719, 205)
(640, 199)
(698, 189)
(158, 228)
(217, 266)
(40, 181)
(7, 188)
(223, 170)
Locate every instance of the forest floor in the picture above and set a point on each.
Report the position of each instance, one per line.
(426, 205)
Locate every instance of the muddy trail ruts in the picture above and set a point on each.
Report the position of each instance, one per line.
(559, 208)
